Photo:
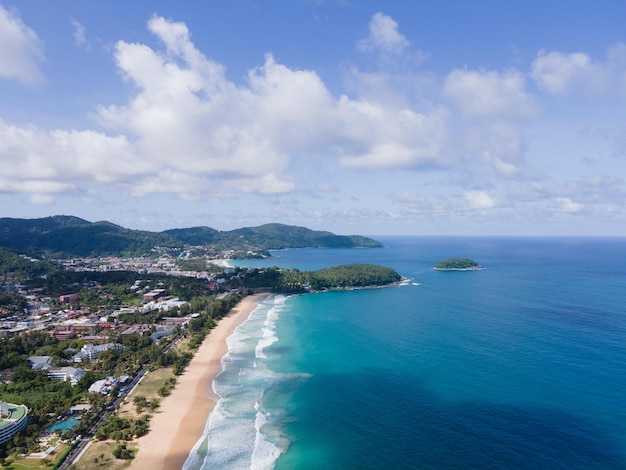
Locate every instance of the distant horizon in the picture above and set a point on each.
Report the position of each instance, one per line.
(431, 118)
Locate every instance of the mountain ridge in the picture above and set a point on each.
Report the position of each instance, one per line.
(70, 236)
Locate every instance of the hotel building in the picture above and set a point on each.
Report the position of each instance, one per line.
(13, 418)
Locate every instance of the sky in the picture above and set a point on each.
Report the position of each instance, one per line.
(353, 116)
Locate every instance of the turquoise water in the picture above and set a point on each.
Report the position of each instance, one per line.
(64, 425)
(519, 365)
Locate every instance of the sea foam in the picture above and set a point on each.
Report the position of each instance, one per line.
(234, 436)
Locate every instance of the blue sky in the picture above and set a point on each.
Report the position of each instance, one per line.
(355, 116)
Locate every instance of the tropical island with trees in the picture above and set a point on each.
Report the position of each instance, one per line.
(457, 264)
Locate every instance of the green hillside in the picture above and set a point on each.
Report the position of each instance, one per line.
(67, 236)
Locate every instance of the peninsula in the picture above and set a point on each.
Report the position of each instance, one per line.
(457, 264)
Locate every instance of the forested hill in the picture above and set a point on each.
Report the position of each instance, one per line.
(67, 236)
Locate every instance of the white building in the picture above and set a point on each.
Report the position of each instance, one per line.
(13, 418)
(65, 374)
(89, 351)
(103, 386)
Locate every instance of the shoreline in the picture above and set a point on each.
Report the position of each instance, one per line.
(473, 268)
(182, 417)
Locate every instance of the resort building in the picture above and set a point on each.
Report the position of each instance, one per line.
(66, 374)
(40, 362)
(103, 386)
(90, 352)
(13, 418)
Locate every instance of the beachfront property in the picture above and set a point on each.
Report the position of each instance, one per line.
(13, 418)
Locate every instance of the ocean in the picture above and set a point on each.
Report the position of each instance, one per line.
(519, 365)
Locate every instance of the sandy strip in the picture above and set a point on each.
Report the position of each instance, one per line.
(182, 417)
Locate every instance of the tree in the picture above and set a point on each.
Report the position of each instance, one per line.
(140, 402)
(122, 452)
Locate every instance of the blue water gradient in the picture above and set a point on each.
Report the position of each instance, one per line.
(519, 365)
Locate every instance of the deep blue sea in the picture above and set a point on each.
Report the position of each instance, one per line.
(519, 365)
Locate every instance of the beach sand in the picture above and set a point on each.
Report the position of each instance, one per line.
(182, 417)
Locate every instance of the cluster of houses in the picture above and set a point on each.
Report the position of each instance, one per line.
(164, 264)
(69, 323)
(68, 373)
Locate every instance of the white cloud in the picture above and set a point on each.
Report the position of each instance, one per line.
(380, 137)
(188, 130)
(35, 160)
(267, 184)
(383, 36)
(479, 200)
(499, 144)
(559, 73)
(80, 33)
(185, 122)
(20, 49)
(489, 94)
(569, 206)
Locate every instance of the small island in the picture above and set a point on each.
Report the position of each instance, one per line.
(457, 264)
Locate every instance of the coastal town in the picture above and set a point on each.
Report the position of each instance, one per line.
(91, 348)
(99, 352)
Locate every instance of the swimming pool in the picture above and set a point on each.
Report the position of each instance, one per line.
(64, 425)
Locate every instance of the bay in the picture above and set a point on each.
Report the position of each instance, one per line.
(519, 365)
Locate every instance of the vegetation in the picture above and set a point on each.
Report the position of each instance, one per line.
(195, 264)
(122, 429)
(457, 264)
(102, 294)
(64, 236)
(19, 268)
(338, 277)
(99, 455)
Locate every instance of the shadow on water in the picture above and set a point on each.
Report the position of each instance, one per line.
(400, 424)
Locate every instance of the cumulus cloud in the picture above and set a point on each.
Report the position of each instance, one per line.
(189, 115)
(188, 130)
(558, 73)
(383, 36)
(491, 94)
(40, 161)
(380, 137)
(20, 49)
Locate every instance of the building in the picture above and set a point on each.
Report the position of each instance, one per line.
(67, 298)
(103, 386)
(40, 362)
(81, 408)
(90, 352)
(161, 332)
(65, 374)
(153, 295)
(13, 418)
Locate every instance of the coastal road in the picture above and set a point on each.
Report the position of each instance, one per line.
(76, 452)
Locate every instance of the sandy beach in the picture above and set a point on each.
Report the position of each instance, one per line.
(180, 421)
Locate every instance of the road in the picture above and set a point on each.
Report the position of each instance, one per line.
(128, 389)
